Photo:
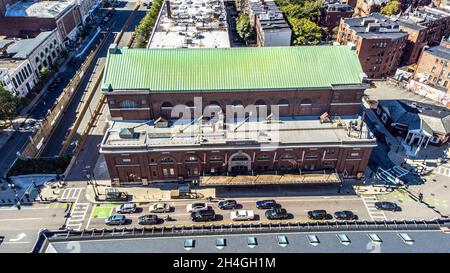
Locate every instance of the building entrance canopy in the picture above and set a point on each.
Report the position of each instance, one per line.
(267, 179)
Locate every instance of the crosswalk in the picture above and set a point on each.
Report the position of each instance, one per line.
(77, 216)
(374, 213)
(70, 194)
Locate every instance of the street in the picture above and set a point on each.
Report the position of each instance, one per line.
(20, 228)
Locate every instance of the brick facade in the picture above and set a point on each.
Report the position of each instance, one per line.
(293, 102)
(187, 165)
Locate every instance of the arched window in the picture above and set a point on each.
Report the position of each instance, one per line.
(166, 104)
(306, 101)
(215, 158)
(190, 104)
(37, 59)
(263, 157)
(260, 102)
(283, 102)
(240, 158)
(191, 159)
(166, 160)
(128, 104)
(237, 103)
(286, 157)
(214, 103)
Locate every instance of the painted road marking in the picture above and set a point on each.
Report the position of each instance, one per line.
(369, 202)
(21, 219)
(71, 194)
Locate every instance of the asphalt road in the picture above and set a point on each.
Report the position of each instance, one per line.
(19, 229)
(297, 207)
(117, 21)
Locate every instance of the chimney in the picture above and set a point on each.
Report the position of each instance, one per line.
(113, 49)
(169, 9)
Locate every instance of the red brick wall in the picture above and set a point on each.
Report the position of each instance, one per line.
(23, 26)
(149, 165)
(441, 75)
(337, 102)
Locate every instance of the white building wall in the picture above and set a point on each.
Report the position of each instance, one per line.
(21, 80)
(50, 49)
(85, 7)
(277, 38)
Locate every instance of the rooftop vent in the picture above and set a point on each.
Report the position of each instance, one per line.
(252, 242)
(344, 239)
(282, 240)
(128, 133)
(375, 238)
(189, 244)
(406, 238)
(221, 243)
(313, 240)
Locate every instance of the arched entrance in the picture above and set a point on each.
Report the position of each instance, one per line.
(240, 163)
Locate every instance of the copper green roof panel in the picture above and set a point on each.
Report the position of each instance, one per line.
(186, 70)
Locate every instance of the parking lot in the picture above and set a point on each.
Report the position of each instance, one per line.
(297, 208)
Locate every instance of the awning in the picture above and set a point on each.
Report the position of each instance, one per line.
(287, 179)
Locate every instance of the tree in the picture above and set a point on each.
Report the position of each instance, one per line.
(44, 72)
(243, 27)
(391, 8)
(306, 32)
(9, 105)
(302, 9)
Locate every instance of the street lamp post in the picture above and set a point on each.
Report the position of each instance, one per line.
(13, 187)
(37, 189)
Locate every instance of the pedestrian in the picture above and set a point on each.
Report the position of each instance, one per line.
(420, 197)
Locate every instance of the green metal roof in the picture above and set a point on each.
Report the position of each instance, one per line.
(210, 69)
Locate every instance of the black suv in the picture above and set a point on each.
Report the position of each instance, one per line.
(345, 215)
(267, 204)
(318, 214)
(203, 215)
(150, 219)
(278, 213)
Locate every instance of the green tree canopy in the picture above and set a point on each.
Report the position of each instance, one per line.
(9, 105)
(144, 29)
(305, 32)
(391, 8)
(299, 9)
(243, 27)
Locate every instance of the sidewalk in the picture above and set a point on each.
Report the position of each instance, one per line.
(7, 133)
(154, 193)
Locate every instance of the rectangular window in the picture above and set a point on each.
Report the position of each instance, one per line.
(313, 240)
(375, 238)
(343, 239)
(126, 160)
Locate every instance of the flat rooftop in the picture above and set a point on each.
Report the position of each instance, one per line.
(10, 65)
(41, 9)
(191, 24)
(343, 241)
(295, 132)
(382, 27)
(231, 69)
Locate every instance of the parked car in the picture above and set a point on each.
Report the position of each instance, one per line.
(203, 215)
(242, 215)
(387, 206)
(126, 208)
(196, 207)
(267, 204)
(318, 214)
(345, 215)
(116, 219)
(52, 87)
(275, 214)
(227, 204)
(150, 219)
(160, 208)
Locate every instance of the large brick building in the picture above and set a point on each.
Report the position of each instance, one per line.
(28, 18)
(379, 43)
(145, 144)
(433, 67)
